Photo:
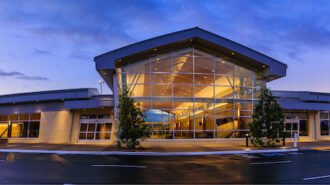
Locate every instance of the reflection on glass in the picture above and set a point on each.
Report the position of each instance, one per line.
(190, 94)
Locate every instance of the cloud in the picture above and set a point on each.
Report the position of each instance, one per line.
(19, 75)
(41, 52)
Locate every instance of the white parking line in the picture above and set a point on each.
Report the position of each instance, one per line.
(319, 177)
(271, 162)
(112, 165)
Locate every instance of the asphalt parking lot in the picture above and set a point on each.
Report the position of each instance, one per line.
(308, 167)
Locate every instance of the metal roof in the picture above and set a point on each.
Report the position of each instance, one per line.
(108, 61)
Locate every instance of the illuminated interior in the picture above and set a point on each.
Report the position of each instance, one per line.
(190, 94)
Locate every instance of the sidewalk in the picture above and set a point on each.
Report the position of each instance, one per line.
(192, 149)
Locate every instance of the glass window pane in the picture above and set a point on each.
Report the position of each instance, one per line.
(83, 127)
(13, 117)
(245, 105)
(288, 126)
(82, 135)
(161, 64)
(204, 91)
(183, 105)
(294, 126)
(3, 129)
(223, 92)
(204, 65)
(24, 117)
(184, 122)
(184, 135)
(204, 105)
(243, 93)
(34, 129)
(199, 134)
(204, 79)
(162, 105)
(222, 66)
(183, 91)
(224, 123)
(241, 71)
(224, 134)
(183, 78)
(139, 78)
(243, 81)
(91, 127)
(204, 123)
(224, 113)
(224, 80)
(90, 135)
(35, 116)
(4, 117)
(23, 129)
(324, 128)
(141, 90)
(108, 127)
(14, 130)
(303, 124)
(242, 123)
(324, 115)
(161, 78)
(161, 90)
(138, 67)
(224, 106)
(162, 134)
(182, 64)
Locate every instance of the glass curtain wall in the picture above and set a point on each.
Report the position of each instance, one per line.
(189, 94)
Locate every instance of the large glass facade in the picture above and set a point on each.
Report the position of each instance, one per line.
(190, 94)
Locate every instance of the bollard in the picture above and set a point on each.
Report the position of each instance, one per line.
(247, 140)
(295, 140)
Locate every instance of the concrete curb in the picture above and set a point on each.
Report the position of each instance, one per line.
(146, 153)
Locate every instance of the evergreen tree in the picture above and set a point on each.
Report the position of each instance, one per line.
(131, 121)
(268, 120)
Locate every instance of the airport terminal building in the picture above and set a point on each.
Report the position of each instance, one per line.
(192, 85)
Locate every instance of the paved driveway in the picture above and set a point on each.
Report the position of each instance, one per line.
(294, 167)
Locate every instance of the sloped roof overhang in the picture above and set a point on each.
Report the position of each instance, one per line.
(107, 62)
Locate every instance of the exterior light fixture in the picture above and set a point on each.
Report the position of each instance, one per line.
(155, 49)
(105, 73)
(263, 66)
(233, 53)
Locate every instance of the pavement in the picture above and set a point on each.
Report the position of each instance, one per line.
(303, 167)
(188, 149)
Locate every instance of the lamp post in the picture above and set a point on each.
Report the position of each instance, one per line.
(101, 83)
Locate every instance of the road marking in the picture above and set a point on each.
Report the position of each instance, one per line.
(248, 156)
(112, 165)
(318, 177)
(272, 162)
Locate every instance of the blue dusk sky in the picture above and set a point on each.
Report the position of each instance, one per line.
(50, 44)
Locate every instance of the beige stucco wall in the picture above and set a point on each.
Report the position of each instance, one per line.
(55, 127)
